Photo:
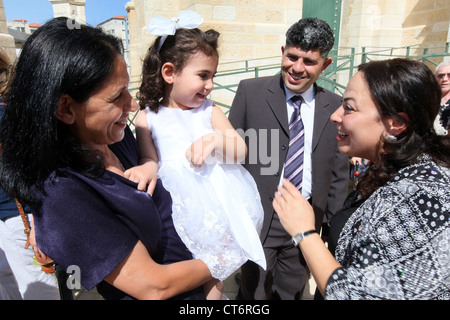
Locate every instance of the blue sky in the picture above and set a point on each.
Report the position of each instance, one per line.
(40, 11)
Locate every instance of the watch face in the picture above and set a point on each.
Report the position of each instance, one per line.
(297, 238)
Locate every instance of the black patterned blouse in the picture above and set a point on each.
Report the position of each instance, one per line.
(444, 114)
(396, 245)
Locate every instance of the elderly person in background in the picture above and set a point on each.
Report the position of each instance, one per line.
(443, 77)
(391, 239)
(66, 147)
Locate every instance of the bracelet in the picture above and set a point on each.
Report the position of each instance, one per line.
(302, 235)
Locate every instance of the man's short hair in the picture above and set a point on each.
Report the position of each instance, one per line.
(311, 34)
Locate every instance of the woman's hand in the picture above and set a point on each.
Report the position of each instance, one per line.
(296, 215)
(295, 212)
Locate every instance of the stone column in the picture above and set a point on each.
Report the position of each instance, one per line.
(133, 56)
(6, 40)
(70, 8)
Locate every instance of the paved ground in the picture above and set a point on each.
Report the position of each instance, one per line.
(230, 290)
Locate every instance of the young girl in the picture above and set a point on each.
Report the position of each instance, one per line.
(216, 206)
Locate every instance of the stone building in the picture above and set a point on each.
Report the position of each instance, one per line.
(6, 40)
(22, 25)
(118, 26)
(252, 31)
(249, 28)
(21, 30)
(74, 9)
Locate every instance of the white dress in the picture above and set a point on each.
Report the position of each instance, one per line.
(217, 210)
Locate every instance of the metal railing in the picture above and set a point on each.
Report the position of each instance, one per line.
(335, 77)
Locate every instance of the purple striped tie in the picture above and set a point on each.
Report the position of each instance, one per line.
(293, 167)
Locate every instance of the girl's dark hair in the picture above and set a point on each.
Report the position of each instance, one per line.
(176, 49)
(403, 85)
(59, 58)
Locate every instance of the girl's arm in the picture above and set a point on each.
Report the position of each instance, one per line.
(146, 173)
(141, 277)
(224, 142)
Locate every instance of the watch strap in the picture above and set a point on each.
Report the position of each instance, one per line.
(302, 235)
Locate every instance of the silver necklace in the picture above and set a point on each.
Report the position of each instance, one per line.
(123, 169)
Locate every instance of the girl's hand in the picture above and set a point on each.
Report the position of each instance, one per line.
(40, 256)
(295, 212)
(202, 148)
(145, 175)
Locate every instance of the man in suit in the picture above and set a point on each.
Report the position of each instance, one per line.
(263, 105)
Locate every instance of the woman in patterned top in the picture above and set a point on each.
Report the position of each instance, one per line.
(395, 240)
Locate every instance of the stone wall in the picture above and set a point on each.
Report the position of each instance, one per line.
(6, 40)
(254, 30)
(74, 9)
(377, 23)
(249, 28)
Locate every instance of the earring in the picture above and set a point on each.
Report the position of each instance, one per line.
(391, 138)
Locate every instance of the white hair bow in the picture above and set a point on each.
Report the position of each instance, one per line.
(160, 26)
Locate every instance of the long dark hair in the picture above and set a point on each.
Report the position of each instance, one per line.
(176, 49)
(403, 85)
(59, 58)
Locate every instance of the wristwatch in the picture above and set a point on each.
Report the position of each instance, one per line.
(301, 235)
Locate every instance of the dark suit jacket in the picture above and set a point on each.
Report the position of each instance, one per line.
(260, 104)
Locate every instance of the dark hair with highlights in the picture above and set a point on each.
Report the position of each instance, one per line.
(57, 59)
(311, 34)
(176, 49)
(403, 85)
